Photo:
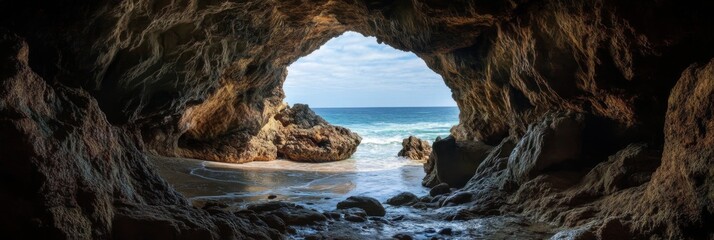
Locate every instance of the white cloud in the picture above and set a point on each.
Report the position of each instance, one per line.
(355, 71)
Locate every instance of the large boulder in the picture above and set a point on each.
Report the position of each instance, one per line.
(454, 162)
(297, 133)
(553, 141)
(304, 136)
(415, 149)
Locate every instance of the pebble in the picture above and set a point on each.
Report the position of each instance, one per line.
(445, 231)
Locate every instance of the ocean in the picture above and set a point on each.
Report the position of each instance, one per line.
(374, 170)
(383, 129)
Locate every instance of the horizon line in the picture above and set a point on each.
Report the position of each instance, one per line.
(384, 106)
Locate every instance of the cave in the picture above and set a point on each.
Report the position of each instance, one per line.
(593, 118)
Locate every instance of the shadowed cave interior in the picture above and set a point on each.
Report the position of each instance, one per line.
(578, 119)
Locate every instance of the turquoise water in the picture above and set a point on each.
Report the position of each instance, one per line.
(383, 129)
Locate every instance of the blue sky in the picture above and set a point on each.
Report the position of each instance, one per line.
(355, 71)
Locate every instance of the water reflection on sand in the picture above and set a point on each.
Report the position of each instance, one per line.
(321, 185)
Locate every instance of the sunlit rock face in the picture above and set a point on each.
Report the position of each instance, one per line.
(294, 133)
(88, 89)
(415, 149)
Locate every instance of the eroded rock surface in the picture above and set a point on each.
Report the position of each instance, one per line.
(454, 162)
(415, 149)
(307, 137)
(294, 133)
(87, 87)
(82, 177)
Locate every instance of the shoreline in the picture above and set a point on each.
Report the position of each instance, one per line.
(326, 190)
(237, 184)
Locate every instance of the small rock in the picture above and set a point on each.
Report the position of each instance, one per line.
(402, 236)
(430, 230)
(445, 231)
(425, 199)
(441, 188)
(458, 198)
(420, 205)
(355, 215)
(370, 205)
(290, 213)
(398, 218)
(332, 215)
(272, 196)
(300, 216)
(404, 198)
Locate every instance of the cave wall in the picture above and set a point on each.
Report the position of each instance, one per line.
(200, 78)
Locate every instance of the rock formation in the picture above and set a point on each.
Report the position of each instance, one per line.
(307, 137)
(415, 149)
(370, 205)
(454, 162)
(88, 87)
(294, 133)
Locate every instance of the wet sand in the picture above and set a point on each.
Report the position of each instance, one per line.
(321, 186)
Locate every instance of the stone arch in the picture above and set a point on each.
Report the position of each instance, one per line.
(102, 86)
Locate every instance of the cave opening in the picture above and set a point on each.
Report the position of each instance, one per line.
(382, 94)
(577, 119)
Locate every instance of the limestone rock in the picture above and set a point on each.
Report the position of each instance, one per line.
(370, 205)
(415, 149)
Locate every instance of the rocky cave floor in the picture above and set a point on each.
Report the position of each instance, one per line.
(435, 215)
